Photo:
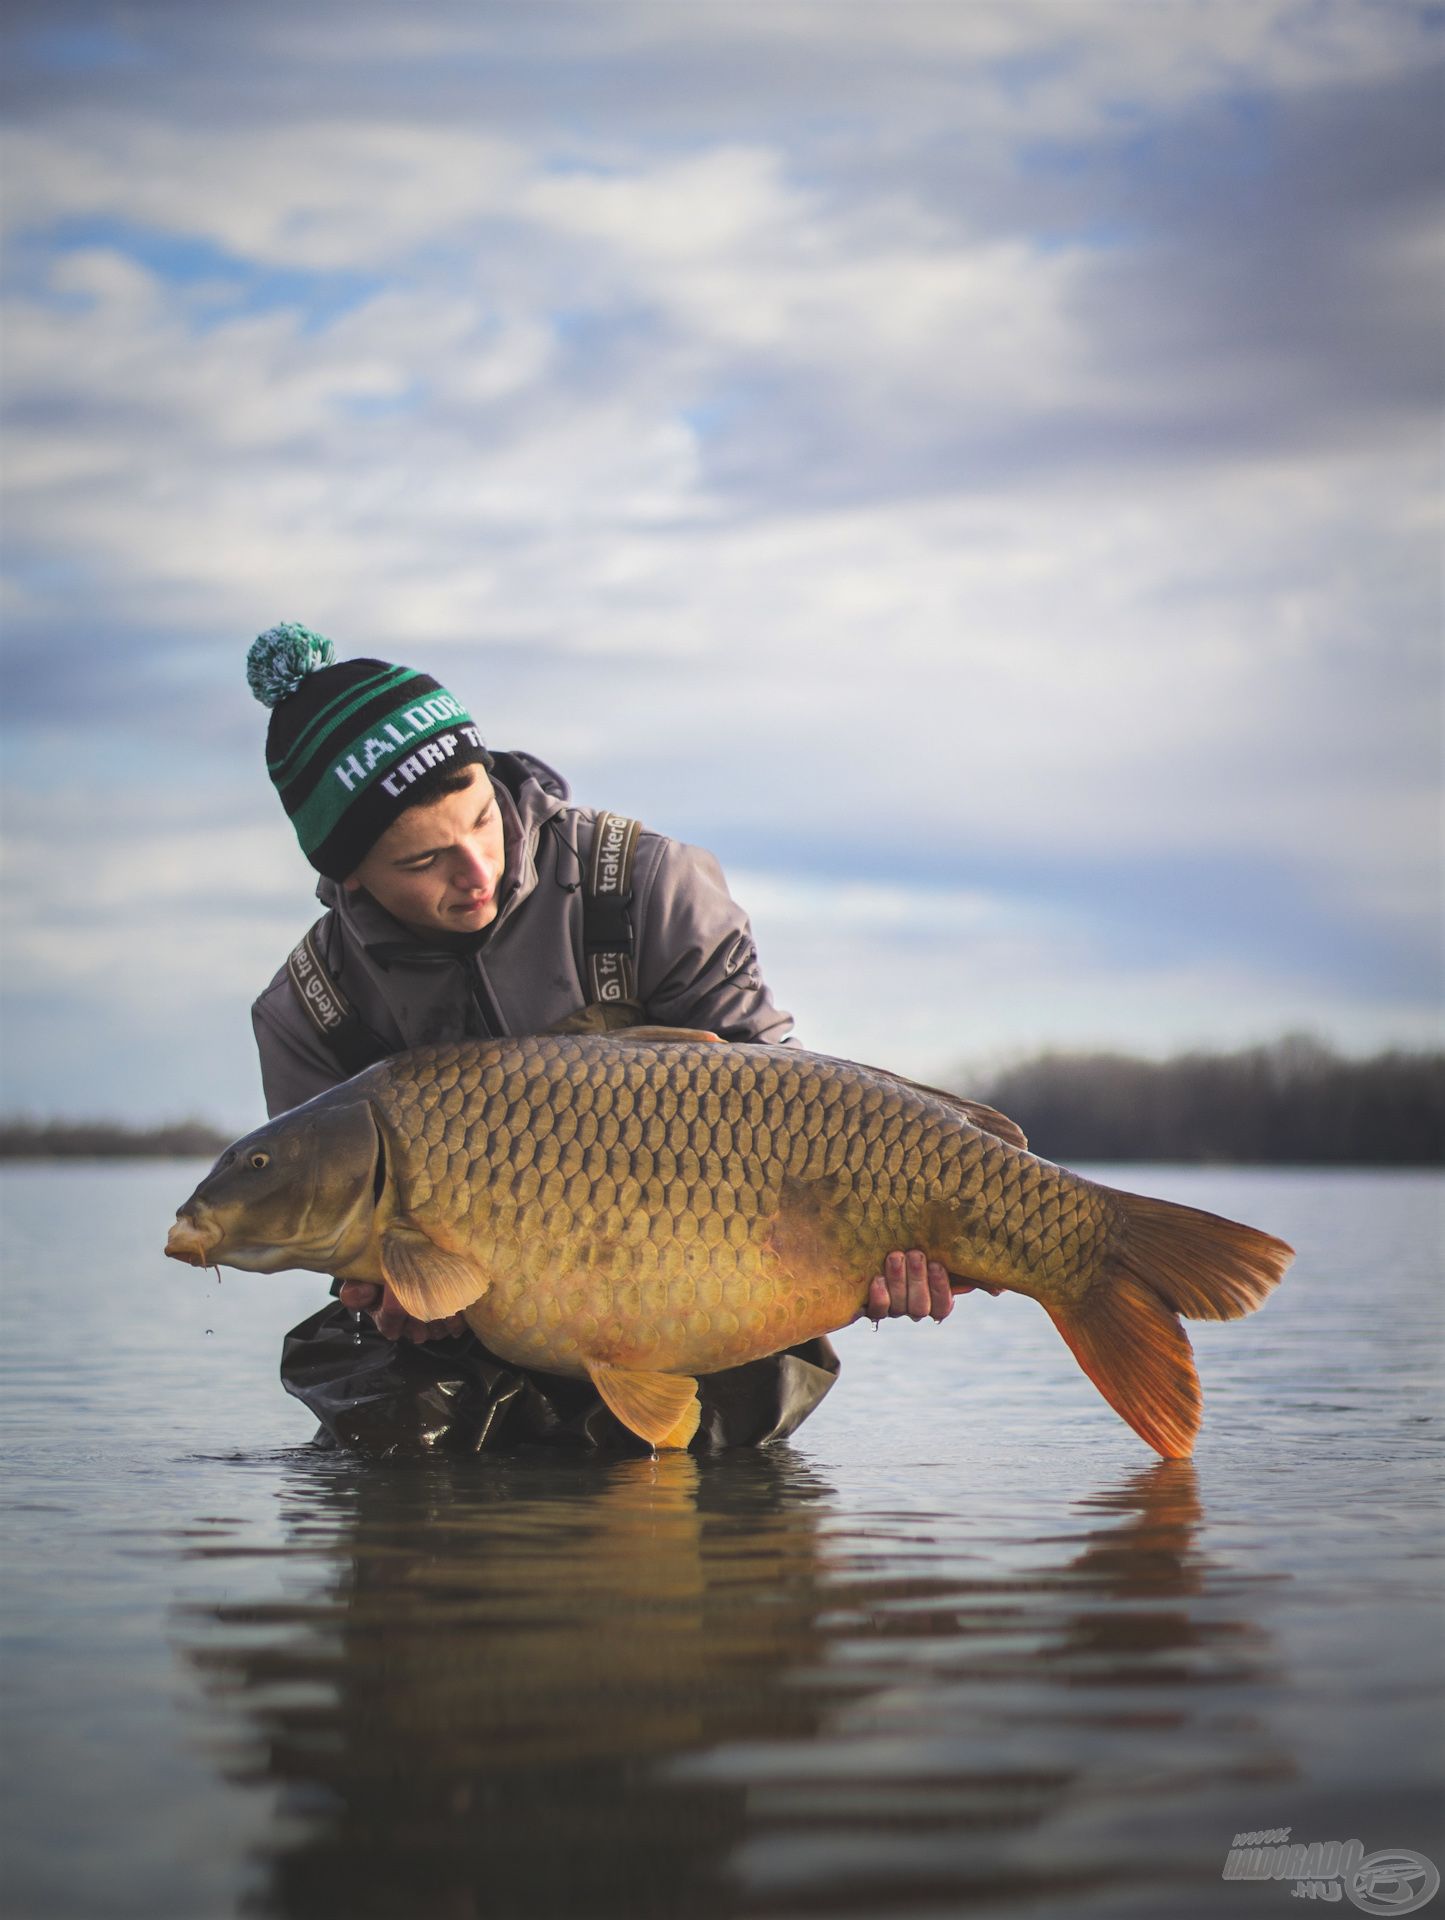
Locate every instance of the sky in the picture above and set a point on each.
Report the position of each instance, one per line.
(974, 466)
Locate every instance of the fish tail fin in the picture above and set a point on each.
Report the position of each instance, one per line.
(1125, 1332)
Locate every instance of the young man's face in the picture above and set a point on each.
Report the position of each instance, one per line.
(438, 868)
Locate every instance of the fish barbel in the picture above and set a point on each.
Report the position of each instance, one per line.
(647, 1206)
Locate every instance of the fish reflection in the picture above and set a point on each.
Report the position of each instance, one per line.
(566, 1688)
(506, 1649)
(1149, 1560)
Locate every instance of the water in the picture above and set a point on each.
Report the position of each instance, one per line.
(959, 1648)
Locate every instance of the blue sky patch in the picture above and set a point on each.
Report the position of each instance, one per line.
(74, 49)
(219, 285)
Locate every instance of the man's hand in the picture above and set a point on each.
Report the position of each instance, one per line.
(911, 1283)
(391, 1318)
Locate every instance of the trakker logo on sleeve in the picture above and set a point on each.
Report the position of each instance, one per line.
(323, 1000)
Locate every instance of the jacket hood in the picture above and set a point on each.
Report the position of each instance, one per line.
(531, 794)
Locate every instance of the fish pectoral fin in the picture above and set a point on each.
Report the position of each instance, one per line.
(660, 1408)
(428, 1281)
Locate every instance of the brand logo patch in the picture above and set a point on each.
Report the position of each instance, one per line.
(317, 995)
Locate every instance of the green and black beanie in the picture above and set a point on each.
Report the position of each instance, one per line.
(351, 744)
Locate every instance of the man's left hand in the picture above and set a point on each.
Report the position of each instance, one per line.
(910, 1283)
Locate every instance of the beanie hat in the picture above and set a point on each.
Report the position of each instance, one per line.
(349, 740)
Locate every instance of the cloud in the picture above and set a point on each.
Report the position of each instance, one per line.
(974, 458)
(343, 195)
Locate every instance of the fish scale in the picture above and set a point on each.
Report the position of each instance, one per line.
(542, 1168)
(650, 1206)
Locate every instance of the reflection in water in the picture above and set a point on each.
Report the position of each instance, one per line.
(1150, 1559)
(561, 1687)
(477, 1706)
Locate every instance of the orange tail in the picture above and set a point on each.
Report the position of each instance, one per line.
(1125, 1332)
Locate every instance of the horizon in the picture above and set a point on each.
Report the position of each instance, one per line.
(961, 1077)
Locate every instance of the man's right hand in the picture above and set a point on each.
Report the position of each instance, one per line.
(391, 1317)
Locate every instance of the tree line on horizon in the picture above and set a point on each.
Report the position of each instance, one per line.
(1295, 1102)
(22, 1138)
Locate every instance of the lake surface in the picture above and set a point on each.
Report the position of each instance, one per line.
(962, 1646)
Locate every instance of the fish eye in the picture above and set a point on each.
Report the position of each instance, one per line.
(259, 1160)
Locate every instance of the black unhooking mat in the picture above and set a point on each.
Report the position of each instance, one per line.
(388, 1397)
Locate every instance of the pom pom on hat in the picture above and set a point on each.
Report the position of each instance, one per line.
(281, 657)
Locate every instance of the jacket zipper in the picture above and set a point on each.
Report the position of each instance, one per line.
(494, 1027)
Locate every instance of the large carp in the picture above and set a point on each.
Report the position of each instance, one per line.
(648, 1206)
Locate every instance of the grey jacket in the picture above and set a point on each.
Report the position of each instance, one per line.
(695, 959)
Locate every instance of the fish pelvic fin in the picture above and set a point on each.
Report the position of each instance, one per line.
(1125, 1332)
(660, 1408)
(428, 1281)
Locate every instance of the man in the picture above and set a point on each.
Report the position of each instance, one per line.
(466, 895)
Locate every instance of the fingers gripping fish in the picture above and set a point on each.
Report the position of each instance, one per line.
(648, 1206)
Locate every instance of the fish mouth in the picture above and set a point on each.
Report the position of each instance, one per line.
(191, 1242)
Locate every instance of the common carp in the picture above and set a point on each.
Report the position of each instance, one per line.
(647, 1206)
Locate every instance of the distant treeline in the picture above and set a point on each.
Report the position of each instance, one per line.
(23, 1139)
(1296, 1102)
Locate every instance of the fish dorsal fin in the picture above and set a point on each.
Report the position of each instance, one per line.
(660, 1408)
(665, 1033)
(428, 1281)
(986, 1119)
